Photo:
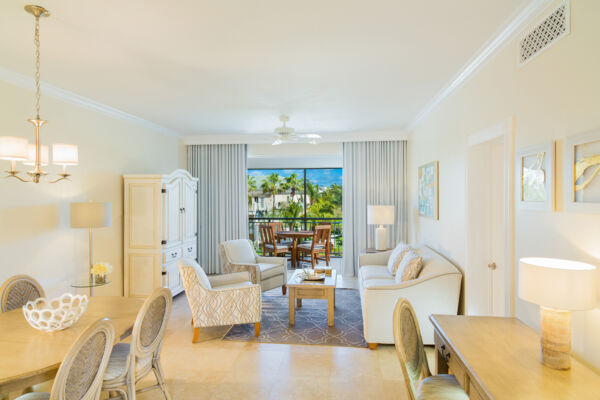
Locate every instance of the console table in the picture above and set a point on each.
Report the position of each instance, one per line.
(499, 358)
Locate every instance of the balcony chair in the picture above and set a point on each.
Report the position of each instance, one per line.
(420, 384)
(220, 300)
(319, 245)
(269, 272)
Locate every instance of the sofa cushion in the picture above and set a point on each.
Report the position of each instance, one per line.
(409, 267)
(374, 272)
(396, 257)
(372, 283)
(269, 270)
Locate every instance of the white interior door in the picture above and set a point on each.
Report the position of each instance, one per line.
(485, 286)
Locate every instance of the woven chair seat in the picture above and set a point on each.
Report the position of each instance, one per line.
(34, 396)
(116, 369)
(441, 387)
(279, 246)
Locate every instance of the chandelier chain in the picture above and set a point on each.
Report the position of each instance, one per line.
(36, 41)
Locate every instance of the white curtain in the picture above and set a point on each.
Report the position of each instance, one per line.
(222, 198)
(374, 174)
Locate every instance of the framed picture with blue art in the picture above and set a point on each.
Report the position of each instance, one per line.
(428, 190)
(535, 177)
(582, 172)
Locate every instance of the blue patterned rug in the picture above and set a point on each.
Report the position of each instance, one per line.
(311, 322)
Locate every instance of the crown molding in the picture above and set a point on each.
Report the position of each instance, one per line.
(28, 83)
(361, 136)
(510, 31)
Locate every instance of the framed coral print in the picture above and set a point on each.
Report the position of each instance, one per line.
(582, 172)
(535, 177)
(428, 190)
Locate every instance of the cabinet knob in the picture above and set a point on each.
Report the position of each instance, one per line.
(173, 255)
(190, 249)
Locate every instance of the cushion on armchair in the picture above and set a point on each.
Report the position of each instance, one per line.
(240, 251)
(201, 274)
(396, 257)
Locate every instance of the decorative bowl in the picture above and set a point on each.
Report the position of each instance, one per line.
(56, 314)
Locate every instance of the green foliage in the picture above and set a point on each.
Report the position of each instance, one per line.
(292, 183)
(272, 185)
(251, 189)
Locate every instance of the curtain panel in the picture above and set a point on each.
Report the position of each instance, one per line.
(222, 198)
(374, 174)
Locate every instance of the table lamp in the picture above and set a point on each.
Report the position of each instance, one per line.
(380, 215)
(90, 215)
(558, 286)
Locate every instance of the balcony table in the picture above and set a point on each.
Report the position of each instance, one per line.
(29, 356)
(294, 235)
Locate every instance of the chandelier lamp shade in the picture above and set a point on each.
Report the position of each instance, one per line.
(17, 149)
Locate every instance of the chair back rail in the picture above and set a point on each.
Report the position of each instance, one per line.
(17, 291)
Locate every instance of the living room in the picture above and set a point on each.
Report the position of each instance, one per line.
(310, 200)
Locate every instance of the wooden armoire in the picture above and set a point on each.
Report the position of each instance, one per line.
(160, 227)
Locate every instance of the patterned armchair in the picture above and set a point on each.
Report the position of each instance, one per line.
(220, 300)
(239, 255)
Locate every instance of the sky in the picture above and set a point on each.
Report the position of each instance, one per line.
(324, 177)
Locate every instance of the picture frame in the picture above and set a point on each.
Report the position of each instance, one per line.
(536, 177)
(428, 188)
(582, 172)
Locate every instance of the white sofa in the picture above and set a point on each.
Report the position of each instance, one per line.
(435, 291)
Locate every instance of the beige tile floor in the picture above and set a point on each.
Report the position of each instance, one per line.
(217, 369)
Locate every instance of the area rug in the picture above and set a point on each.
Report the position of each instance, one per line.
(311, 322)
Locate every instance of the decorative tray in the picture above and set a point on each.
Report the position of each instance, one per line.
(310, 275)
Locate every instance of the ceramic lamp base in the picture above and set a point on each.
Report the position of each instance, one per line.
(381, 238)
(556, 338)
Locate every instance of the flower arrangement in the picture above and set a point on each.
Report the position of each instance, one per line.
(100, 270)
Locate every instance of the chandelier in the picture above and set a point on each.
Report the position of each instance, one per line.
(16, 149)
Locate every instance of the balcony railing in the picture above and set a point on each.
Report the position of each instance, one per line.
(307, 223)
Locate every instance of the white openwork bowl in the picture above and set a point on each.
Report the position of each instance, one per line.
(56, 314)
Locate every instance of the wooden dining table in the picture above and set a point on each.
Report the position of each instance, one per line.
(295, 236)
(29, 356)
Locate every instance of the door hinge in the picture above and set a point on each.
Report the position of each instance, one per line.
(163, 242)
(163, 190)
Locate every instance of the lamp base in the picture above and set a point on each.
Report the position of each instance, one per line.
(381, 238)
(556, 338)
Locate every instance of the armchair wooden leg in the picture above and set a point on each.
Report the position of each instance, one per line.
(257, 329)
(372, 346)
(283, 289)
(196, 334)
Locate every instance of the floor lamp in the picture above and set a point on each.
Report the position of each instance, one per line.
(90, 215)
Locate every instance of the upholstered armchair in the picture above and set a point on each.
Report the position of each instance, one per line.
(220, 300)
(268, 272)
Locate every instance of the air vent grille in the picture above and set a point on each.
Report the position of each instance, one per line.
(538, 38)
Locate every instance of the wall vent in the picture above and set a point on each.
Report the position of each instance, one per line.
(540, 37)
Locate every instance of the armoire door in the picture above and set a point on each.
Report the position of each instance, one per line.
(189, 204)
(172, 211)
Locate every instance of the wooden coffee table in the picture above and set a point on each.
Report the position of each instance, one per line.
(299, 289)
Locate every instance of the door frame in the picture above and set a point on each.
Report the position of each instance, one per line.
(504, 129)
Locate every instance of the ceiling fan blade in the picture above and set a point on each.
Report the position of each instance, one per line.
(277, 142)
(309, 135)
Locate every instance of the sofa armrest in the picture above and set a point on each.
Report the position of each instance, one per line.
(374, 258)
(252, 269)
(228, 279)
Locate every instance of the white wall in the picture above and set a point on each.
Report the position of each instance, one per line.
(295, 155)
(554, 96)
(35, 237)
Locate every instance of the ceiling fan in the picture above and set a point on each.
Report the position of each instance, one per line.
(286, 134)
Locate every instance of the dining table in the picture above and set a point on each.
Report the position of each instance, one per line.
(295, 236)
(29, 356)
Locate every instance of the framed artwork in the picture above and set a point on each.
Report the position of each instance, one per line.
(582, 172)
(535, 177)
(428, 190)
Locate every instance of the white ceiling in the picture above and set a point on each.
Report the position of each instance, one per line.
(232, 67)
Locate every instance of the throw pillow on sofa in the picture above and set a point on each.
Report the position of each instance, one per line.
(410, 267)
(396, 257)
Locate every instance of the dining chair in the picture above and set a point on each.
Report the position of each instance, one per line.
(16, 291)
(130, 362)
(278, 227)
(80, 374)
(270, 245)
(318, 245)
(420, 384)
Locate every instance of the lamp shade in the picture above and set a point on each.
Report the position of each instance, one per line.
(65, 154)
(380, 215)
(31, 154)
(558, 284)
(13, 148)
(90, 215)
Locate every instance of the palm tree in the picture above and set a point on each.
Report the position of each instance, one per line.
(251, 189)
(292, 183)
(271, 185)
(312, 190)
